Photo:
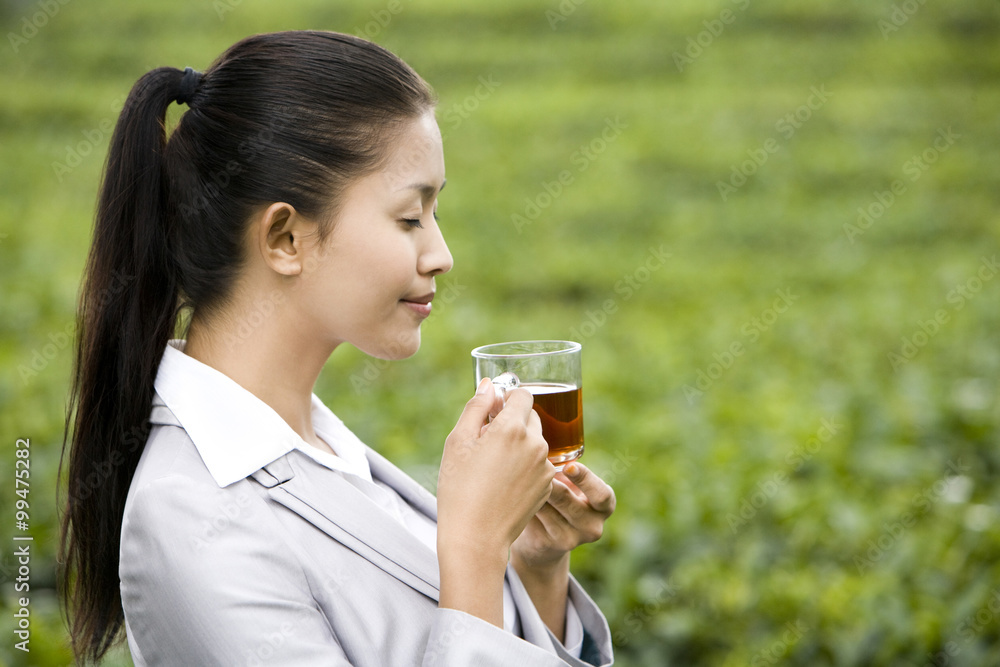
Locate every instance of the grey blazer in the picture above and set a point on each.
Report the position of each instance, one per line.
(295, 566)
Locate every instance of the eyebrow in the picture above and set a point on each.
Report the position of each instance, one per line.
(426, 189)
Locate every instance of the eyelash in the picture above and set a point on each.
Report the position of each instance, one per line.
(415, 222)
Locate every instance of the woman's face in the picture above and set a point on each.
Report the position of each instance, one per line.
(373, 277)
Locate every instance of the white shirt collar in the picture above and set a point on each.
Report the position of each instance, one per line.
(235, 432)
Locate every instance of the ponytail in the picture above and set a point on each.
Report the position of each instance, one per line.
(127, 312)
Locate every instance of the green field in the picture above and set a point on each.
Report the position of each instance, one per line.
(796, 400)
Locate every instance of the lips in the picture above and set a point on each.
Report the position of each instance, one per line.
(421, 305)
(425, 299)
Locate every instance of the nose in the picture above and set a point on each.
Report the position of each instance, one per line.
(435, 258)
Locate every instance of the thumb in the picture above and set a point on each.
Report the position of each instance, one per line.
(470, 423)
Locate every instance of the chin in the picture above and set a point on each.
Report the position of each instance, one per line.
(402, 347)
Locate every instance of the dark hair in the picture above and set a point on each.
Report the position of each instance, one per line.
(284, 117)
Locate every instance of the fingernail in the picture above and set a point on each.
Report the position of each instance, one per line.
(483, 384)
(572, 470)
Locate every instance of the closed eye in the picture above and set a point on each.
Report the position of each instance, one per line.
(415, 222)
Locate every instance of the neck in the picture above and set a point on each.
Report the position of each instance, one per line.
(271, 361)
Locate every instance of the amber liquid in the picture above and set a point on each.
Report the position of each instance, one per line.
(560, 407)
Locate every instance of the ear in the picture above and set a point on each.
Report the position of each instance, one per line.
(282, 237)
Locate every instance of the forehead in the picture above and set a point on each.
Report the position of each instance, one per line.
(415, 154)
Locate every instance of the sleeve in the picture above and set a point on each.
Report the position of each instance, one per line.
(205, 580)
(595, 648)
(459, 639)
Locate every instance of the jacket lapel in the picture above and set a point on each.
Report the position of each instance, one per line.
(343, 512)
(407, 487)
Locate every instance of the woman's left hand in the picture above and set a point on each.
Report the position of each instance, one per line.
(575, 513)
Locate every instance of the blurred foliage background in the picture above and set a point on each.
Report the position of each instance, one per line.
(795, 399)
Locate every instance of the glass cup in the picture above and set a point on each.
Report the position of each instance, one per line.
(550, 370)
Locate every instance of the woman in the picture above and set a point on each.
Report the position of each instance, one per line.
(218, 511)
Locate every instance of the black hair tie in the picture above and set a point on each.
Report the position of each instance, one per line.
(189, 82)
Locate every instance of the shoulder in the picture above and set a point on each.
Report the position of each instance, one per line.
(172, 475)
(185, 538)
(171, 478)
(207, 573)
(176, 508)
(169, 451)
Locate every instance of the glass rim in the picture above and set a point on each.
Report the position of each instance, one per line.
(568, 346)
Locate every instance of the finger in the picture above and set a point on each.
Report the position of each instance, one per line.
(561, 476)
(471, 421)
(568, 493)
(571, 520)
(517, 407)
(534, 429)
(600, 495)
(498, 403)
(573, 506)
(543, 500)
(566, 535)
(553, 523)
(535, 425)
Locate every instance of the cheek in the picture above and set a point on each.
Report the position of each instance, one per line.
(392, 266)
(365, 277)
(332, 289)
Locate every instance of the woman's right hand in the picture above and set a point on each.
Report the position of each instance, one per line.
(493, 480)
